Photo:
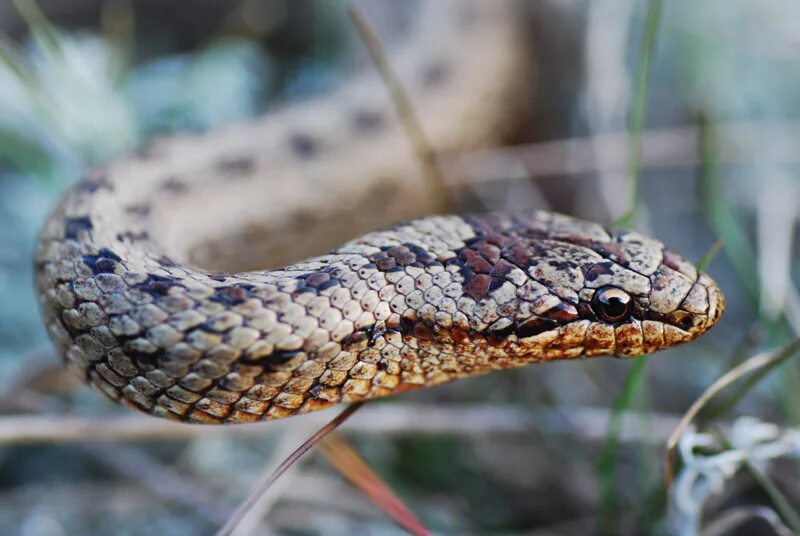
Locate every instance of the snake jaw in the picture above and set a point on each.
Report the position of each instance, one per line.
(674, 305)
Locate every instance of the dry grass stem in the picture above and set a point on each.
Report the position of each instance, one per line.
(669, 148)
(353, 467)
(759, 361)
(402, 104)
(585, 422)
(242, 511)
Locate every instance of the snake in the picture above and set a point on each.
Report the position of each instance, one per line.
(148, 270)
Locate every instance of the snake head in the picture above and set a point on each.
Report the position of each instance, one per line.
(571, 288)
(677, 304)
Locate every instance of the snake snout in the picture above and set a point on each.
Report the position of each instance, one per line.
(716, 301)
(700, 308)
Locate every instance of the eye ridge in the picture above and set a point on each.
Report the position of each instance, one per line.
(612, 304)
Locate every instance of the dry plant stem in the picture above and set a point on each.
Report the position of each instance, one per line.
(402, 104)
(661, 149)
(736, 517)
(163, 481)
(252, 521)
(251, 501)
(390, 419)
(350, 465)
(756, 362)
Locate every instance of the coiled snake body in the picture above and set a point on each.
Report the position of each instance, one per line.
(417, 304)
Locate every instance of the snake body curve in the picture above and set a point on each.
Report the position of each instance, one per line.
(417, 304)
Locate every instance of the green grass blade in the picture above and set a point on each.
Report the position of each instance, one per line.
(41, 29)
(638, 116)
(712, 252)
(638, 113)
(720, 217)
(606, 467)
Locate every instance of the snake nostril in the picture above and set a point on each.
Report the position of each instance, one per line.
(686, 323)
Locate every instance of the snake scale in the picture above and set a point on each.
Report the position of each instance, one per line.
(127, 300)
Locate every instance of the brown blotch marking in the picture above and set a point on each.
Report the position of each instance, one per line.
(477, 286)
(422, 332)
(95, 180)
(303, 146)
(150, 150)
(534, 326)
(435, 73)
(676, 262)
(74, 226)
(138, 210)
(601, 268)
(133, 236)
(502, 269)
(396, 257)
(520, 255)
(236, 167)
(174, 185)
(367, 121)
(317, 282)
(613, 251)
(491, 226)
(585, 311)
(562, 313)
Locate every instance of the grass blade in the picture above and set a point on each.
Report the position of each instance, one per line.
(638, 113)
(712, 252)
(608, 457)
(638, 117)
(721, 218)
(40, 27)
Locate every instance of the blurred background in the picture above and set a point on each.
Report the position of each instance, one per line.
(533, 451)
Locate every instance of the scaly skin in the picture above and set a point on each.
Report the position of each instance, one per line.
(416, 305)
(425, 302)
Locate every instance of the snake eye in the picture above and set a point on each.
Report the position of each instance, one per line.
(612, 304)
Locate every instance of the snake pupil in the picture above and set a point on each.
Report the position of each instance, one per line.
(612, 304)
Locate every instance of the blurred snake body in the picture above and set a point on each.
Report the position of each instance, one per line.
(128, 301)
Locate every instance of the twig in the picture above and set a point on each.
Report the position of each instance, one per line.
(350, 465)
(262, 488)
(661, 149)
(730, 520)
(402, 104)
(763, 361)
(387, 419)
(262, 505)
(776, 496)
